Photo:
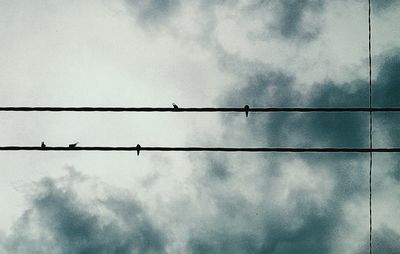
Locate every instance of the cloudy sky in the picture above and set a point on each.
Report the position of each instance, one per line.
(309, 53)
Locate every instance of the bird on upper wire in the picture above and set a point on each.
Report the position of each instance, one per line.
(175, 106)
(138, 149)
(73, 145)
(246, 110)
(43, 145)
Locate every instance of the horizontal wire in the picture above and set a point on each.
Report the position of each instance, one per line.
(206, 109)
(203, 149)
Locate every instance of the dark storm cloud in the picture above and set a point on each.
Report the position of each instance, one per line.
(387, 86)
(289, 129)
(58, 222)
(216, 169)
(380, 5)
(292, 19)
(301, 225)
(290, 14)
(277, 89)
(385, 240)
(274, 235)
(320, 225)
(386, 93)
(223, 243)
(395, 171)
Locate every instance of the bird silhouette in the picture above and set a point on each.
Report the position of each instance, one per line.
(246, 110)
(73, 145)
(175, 106)
(138, 149)
(43, 145)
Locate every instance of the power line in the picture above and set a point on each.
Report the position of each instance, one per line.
(204, 149)
(370, 126)
(200, 109)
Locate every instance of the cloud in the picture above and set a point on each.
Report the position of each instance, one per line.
(386, 86)
(277, 89)
(381, 5)
(299, 20)
(300, 203)
(274, 235)
(266, 88)
(291, 21)
(60, 221)
(275, 203)
(301, 209)
(385, 94)
(294, 19)
(153, 12)
(385, 240)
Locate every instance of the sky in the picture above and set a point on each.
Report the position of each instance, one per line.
(311, 53)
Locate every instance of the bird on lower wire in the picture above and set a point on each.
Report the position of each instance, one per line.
(175, 106)
(73, 145)
(43, 145)
(138, 149)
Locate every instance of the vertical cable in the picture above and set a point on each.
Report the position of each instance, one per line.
(370, 127)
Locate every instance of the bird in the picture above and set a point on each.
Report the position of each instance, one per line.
(175, 106)
(138, 149)
(73, 145)
(43, 145)
(246, 110)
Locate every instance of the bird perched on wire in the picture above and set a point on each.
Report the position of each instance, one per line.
(175, 106)
(43, 145)
(73, 145)
(246, 110)
(138, 149)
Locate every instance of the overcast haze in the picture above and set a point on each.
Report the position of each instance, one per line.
(311, 53)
